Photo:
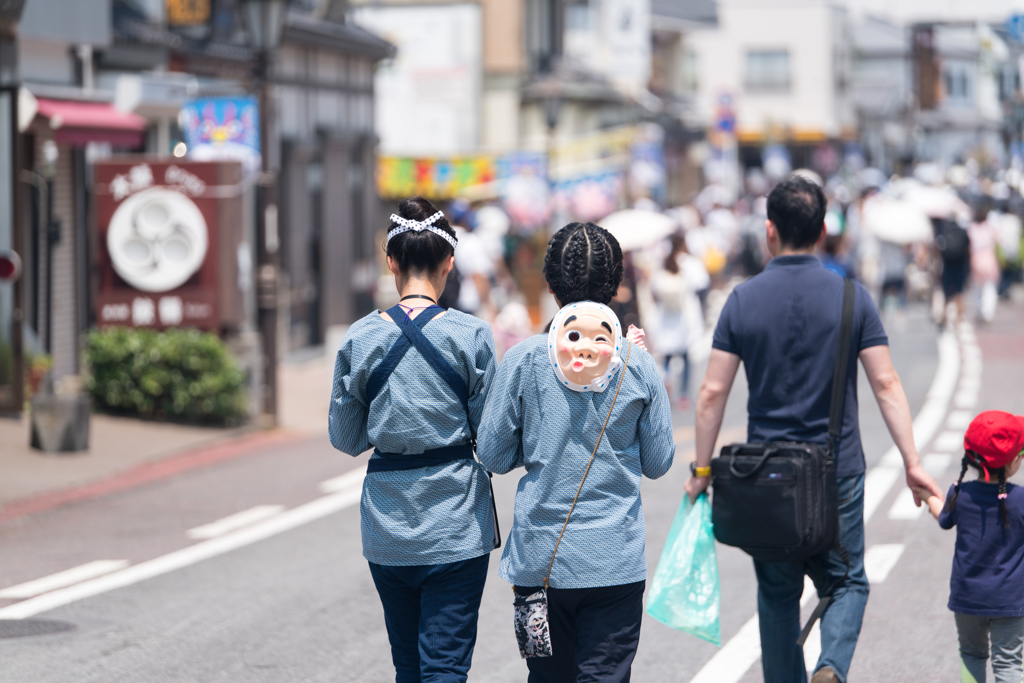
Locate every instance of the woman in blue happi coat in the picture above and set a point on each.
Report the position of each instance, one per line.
(410, 382)
(535, 419)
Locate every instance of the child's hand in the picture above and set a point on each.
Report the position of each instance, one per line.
(933, 502)
(636, 335)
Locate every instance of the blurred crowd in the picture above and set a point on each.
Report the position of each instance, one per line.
(949, 238)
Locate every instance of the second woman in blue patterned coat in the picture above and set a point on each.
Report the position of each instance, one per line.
(533, 420)
(411, 382)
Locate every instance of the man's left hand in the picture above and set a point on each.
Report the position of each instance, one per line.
(918, 478)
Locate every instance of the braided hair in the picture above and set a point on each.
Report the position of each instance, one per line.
(583, 263)
(951, 501)
(974, 460)
(419, 252)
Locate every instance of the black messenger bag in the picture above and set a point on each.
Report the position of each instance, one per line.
(779, 501)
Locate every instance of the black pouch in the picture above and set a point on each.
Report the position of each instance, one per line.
(531, 622)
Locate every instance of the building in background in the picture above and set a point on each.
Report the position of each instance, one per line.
(102, 78)
(783, 67)
(558, 89)
(934, 92)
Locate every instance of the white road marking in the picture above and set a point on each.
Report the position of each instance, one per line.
(877, 483)
(738, 654)
(949, 441)
(735, 657)
(68, 577)
(880, 559)
(971, 384)
(965, 400)
(936, 464)
(903, 507)
(286, 521)
(235, 521)
(344, 481)
(959, 419)
(878, 562)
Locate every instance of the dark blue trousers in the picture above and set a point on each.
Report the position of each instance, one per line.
(431, 615)
(594, 634)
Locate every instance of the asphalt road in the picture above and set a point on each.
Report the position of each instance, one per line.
(286, 595)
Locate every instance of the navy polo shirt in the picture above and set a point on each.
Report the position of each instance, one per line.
(784, 325)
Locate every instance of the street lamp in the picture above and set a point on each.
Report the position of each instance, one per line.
(264, 21)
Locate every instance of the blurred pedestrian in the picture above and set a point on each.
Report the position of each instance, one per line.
(986, 587)
(784, 326)
(893, 259)
(474, 261)
(678, 310)
(411, 382)
(1010, 249)
(984, 265)
(954, 246)
(578, 529)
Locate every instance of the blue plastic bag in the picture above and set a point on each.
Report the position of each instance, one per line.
(684, 593)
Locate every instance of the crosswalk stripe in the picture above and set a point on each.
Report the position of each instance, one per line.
(949, 441)
(904, 508)
(235, 521)
(936, 464)
(344, 481)
(68, 577)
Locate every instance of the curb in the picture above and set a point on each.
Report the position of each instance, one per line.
(146, 472)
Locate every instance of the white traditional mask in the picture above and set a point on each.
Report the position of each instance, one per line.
(584, 345)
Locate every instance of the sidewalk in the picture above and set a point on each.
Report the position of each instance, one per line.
(125, 451)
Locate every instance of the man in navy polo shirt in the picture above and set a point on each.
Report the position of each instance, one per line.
(784, 325)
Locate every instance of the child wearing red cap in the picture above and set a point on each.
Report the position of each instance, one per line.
(987, 582)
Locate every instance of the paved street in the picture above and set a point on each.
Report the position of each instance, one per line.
(277, 589)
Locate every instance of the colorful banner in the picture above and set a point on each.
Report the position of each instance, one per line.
(223, 128)
(433, 178)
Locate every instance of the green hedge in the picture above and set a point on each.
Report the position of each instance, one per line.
(176, 374)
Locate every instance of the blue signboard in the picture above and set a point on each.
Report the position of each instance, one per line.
(1015, 27)
(219, 128)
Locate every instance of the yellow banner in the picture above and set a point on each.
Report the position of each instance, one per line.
(187, 12)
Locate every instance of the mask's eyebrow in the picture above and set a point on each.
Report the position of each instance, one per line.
(569, 320)
(606, 326)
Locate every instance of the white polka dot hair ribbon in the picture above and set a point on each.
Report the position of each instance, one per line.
(405, 225)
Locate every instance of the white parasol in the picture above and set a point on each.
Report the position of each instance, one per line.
(936, 202)
(636, 228)
(896, 221)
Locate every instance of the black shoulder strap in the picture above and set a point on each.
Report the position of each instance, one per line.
(412, 335)
(436, 360)
(835, 417)
(379, 377)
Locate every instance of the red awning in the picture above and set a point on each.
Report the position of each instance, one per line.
(77, 123)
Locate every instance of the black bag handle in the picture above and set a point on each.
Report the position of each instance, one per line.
(768, 452)
(838, 400)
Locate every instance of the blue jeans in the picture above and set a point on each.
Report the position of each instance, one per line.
(779, 585)
(431, 615)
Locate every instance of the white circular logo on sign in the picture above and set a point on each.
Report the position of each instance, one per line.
(157, 240)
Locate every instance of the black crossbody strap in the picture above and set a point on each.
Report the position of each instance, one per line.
(836, 405)
(835, 426)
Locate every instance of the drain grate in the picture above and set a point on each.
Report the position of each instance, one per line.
(20, 628)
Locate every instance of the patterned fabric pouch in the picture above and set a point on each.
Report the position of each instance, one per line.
(531, 620)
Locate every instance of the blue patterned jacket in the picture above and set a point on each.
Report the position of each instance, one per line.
(431, 515)
(531, 421)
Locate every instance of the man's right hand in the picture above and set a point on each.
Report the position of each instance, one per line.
(695, 486)
(917, 478)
